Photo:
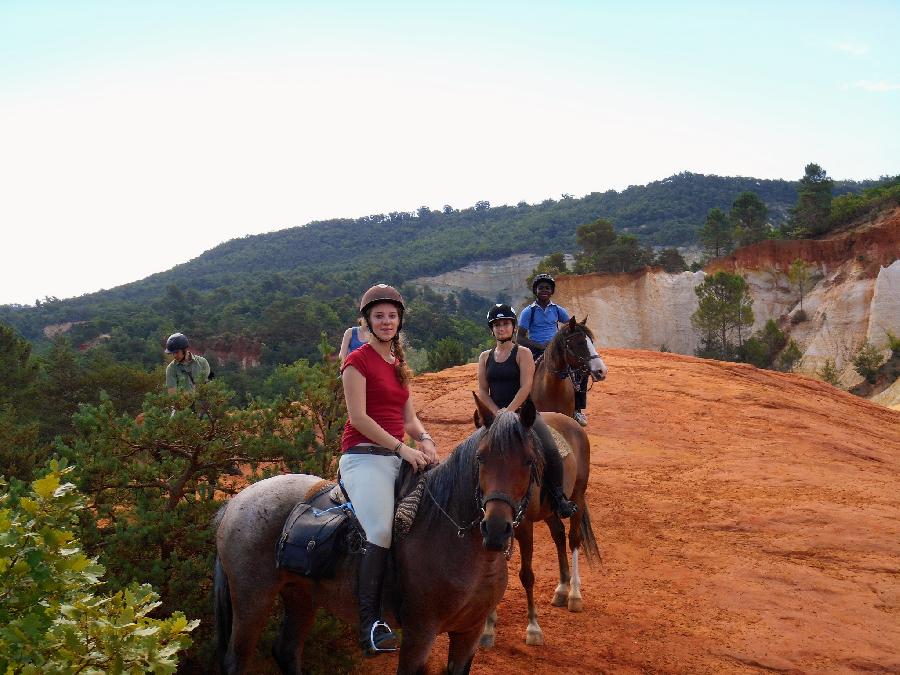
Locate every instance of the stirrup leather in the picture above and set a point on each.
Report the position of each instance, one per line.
(374, 647)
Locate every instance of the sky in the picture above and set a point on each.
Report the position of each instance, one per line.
(136, 135)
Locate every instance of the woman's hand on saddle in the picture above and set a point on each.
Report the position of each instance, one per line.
(429, 449)
(415, 457)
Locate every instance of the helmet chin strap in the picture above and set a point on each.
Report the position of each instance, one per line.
(504, 340)
(375, 335)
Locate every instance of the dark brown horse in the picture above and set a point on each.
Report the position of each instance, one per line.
(569, 356)
(450, 570)
(576, 468)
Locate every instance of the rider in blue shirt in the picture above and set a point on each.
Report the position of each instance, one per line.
(538, 324)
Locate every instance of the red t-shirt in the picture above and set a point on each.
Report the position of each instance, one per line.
(385, 396)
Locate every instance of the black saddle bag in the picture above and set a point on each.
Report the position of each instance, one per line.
(312, 540)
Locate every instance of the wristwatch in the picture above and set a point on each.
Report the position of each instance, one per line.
(424, 436)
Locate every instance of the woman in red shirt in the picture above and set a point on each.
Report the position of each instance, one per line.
(380, 411)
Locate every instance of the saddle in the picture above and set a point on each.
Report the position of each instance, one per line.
(323, 526)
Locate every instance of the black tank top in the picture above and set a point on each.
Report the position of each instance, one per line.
(503, 378)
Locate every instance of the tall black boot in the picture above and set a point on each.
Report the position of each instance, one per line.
(375, 635)
(553, 472)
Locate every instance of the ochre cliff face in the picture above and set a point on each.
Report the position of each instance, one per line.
(852, 295)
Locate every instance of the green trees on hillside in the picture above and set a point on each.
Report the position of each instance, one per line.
(749, 218)
(602, 250)
(809, 218)
(725, 311)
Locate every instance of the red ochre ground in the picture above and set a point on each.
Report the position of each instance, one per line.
(749, 521)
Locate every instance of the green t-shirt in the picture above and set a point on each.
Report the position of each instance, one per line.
(189, 373)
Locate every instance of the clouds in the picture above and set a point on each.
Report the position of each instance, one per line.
(879, 86)
(851, 47)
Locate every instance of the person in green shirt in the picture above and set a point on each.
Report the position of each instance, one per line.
(186, 370)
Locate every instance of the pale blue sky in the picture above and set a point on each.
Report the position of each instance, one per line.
(134, 136)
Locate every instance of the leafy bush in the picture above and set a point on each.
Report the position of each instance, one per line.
(829, 373)
(893, 342)
(446, 353)
(788, 358)
(867, 361)
(51, 619)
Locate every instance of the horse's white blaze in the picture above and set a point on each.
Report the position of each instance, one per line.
(596, 364)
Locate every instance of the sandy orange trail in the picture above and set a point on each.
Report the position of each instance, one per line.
(749, 521)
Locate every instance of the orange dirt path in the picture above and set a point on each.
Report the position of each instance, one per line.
(749, 521)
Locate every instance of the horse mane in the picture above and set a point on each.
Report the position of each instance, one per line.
(452, 483)
(556, 349)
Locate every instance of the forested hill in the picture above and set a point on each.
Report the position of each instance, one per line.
(245, 286)
(402, 245)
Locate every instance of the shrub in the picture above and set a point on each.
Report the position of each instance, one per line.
(788, 358)
(893, 342)
(867, 362)
(829, 373)
(51, 620)
(798, 317)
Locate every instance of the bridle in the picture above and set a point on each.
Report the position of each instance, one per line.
(481, 502)
(582, 363)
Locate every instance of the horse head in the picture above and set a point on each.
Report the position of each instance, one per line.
(579, 351)
(507, 470)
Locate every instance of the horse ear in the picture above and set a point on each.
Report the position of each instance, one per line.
(584, 321)
(476, 419)
(572, 323)
(487, 417)
(527, 413)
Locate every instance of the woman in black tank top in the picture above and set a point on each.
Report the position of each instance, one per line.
(505, 374)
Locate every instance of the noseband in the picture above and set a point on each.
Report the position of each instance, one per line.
(517, 509)
(481, 502)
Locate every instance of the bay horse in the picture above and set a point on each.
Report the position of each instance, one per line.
(448, 575)
(569, 355)
(576, 471)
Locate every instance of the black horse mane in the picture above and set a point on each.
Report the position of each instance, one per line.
(452, 484)
(556, 349)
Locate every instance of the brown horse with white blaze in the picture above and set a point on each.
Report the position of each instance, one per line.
(569, 356)
(450, 570)
(576, 471)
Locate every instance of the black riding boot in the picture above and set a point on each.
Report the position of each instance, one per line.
(375, 635)
(553, 472)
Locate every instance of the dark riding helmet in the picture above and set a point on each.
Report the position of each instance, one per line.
(543, 277)
(501, 311)
(176, 342)
(381, 293)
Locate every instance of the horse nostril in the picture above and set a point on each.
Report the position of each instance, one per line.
(483, 528)
(509, 529)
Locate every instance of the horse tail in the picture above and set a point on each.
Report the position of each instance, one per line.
(588, 540)
(222, 604)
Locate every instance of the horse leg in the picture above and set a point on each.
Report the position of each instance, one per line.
(462, 651)
(533, 634)
(299, 614)
(558, 532)
(575, 539)
(414, 651)
(575, 602)
(248, 621)
(489, 632)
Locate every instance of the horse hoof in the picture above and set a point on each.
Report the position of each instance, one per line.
(575, 604)
(559, 600)
(486, 642)
(534, 638)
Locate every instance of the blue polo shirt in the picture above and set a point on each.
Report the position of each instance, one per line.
(541, 323)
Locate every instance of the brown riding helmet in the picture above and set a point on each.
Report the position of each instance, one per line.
(381, 293)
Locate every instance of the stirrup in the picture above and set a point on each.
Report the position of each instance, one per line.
(374, 648)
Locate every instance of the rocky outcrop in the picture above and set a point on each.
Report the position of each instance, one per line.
(491, 279)
(853, 295)
(243, 352)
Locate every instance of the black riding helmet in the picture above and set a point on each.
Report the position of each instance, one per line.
(543, 277)
(501, 311)
(176, 342)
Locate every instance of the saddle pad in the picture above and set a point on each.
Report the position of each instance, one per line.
(561, 443)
